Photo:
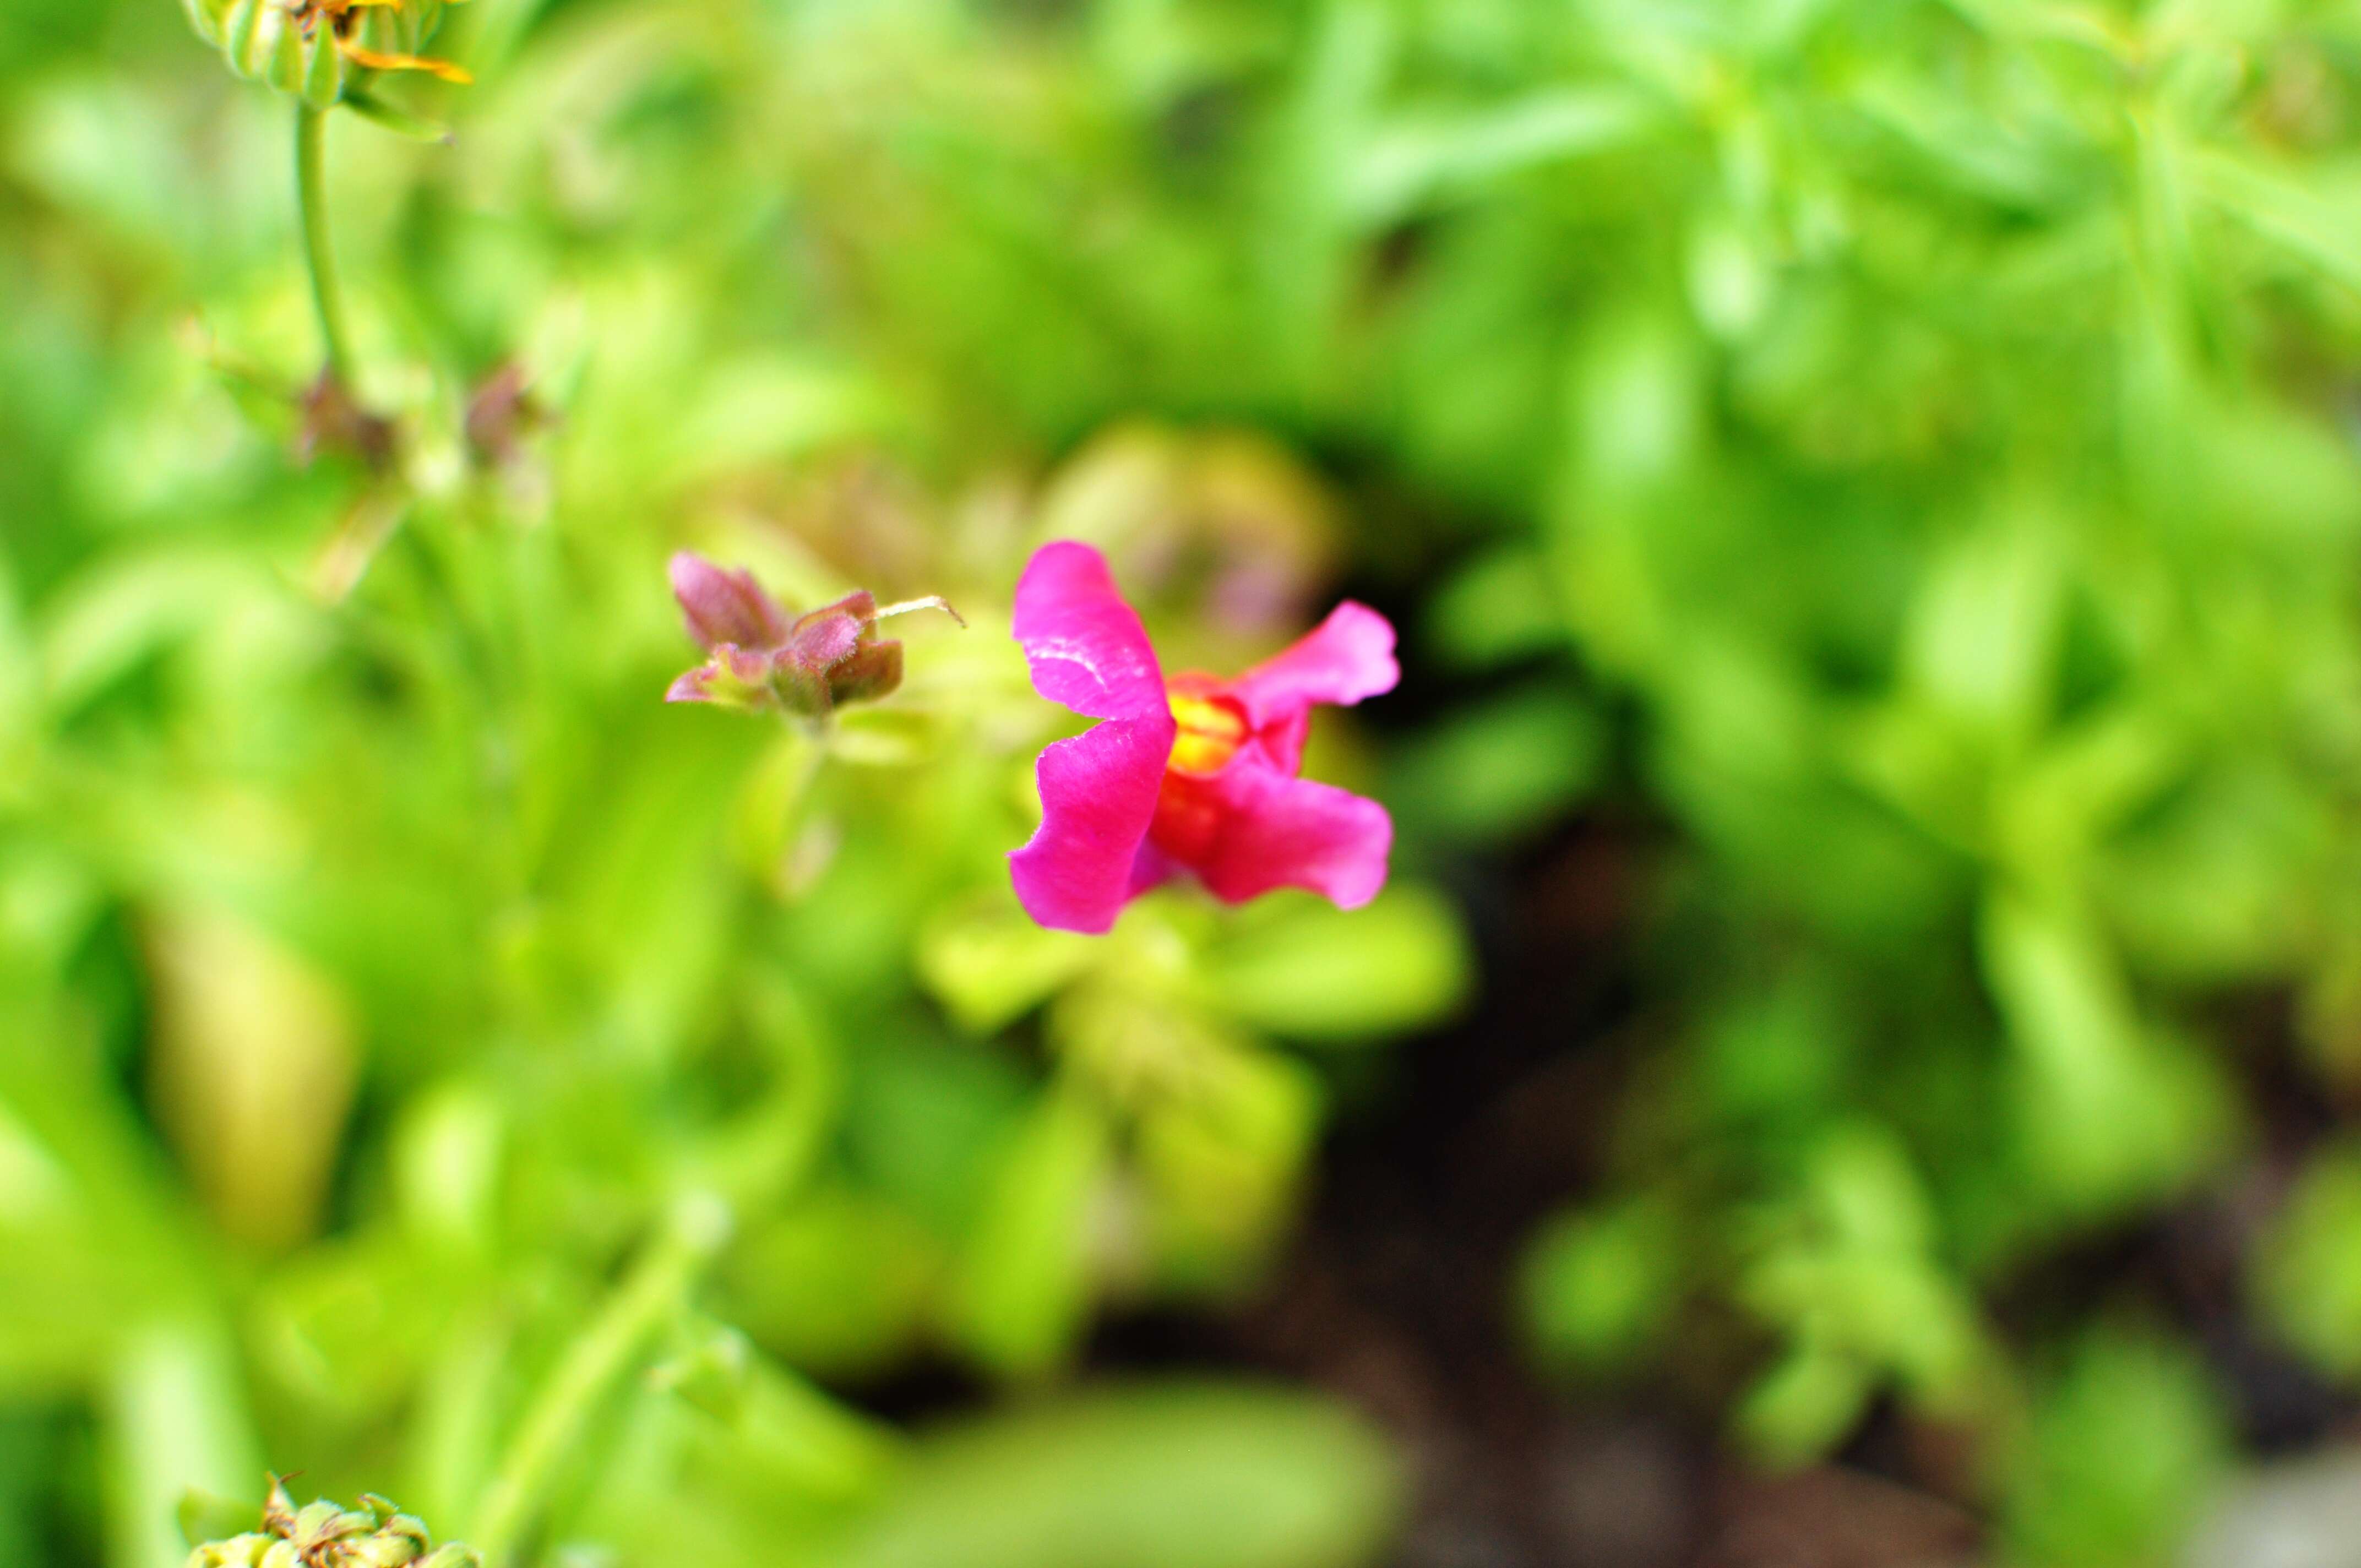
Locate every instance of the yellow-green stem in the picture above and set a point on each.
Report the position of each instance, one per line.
(312, 201)
(658, 1286)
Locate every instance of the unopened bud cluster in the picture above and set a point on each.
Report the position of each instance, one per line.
(312, 48)
(322, 1535)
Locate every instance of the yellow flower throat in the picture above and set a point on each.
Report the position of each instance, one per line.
(1212, 730)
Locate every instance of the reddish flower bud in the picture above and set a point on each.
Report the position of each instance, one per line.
(758, 658)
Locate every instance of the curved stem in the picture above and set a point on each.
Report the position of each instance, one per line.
(656, 1286)
(311, 201)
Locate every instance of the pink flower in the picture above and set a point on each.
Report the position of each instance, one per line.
(1193, 772)
(756, 658)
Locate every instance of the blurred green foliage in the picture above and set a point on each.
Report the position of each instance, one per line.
(1904, 447)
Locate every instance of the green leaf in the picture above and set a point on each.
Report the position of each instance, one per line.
(1319, 974)
(2112, 1111)
(839, 1285)
(392, 117)
(2126, 1449)
(2308, 1271)
(1508, 766)
(1495, 610)
(1171, 1476)
(1982, 637)
(1222, 1162)
(2322, 233)
(990, 965)
(1025, 1282)
(1804, 1406)
(1417, 158)
(1600, 1286)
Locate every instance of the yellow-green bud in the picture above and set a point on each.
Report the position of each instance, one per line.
(382, 1552)
(322, 1535)
(238, 1552)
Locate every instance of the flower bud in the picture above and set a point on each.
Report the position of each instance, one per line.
(311, 49)
(758, 657)
(238, 1552)
(383, 1551)
(322, 1535)
(319, 1523)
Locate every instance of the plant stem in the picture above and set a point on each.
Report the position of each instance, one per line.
(656, 1286)
(311, 201)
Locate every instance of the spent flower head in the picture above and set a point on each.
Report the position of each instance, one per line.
(323, 1535)
(1192, 773)
(311, 48)
(756, 657)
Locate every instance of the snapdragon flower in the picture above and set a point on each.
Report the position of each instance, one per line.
(1191, 773)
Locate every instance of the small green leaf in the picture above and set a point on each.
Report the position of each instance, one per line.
(1600, 1285)
(1508, 766)
(1316, 973)
(2308, 1273)
(388, 117)
(1024, 1284)
(1498, 609)
(1418, 159)
(990, 966)
(2124, 1450)
(1804, 1406)
(1177, 1476)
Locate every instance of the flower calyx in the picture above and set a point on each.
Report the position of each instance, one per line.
(314, 49)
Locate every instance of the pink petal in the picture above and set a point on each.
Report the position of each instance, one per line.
(725, 606)
(1150, 868)
(1346, 657)
(1282, 739)
(1289, 832)
(731, 676)
(1098, 795)
(823, 640)
(1085, 646)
